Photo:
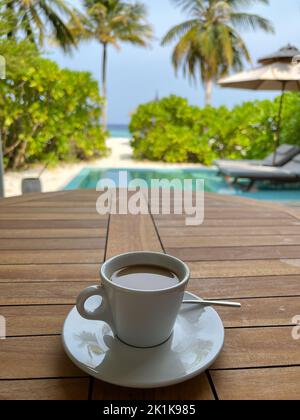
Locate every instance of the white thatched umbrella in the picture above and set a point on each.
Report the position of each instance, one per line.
(279, 71)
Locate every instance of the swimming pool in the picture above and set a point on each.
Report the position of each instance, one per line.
(88, 179)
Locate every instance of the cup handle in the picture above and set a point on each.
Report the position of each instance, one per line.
(103, 313)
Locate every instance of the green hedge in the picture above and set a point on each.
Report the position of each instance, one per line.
(47, 114)
(171, 130)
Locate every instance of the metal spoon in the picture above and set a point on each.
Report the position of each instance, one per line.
(207, 303)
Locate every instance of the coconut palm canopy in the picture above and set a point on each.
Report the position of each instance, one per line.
(38, 18)
(111, 23)
(209, 44)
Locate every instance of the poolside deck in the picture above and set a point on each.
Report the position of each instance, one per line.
(52, 244)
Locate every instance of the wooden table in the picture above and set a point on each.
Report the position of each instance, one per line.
(51, 246)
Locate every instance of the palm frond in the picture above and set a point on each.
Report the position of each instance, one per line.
(178, 31)
(251, 21)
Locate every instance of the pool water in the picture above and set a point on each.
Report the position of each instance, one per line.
(88, 179)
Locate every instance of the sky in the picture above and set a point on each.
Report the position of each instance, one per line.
(137, 75)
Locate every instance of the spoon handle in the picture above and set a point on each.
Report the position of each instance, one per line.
(207, 303)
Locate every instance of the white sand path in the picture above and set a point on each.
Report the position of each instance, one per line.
(57, 178)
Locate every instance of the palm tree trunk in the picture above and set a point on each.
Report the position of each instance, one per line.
(104, 86)
(208, 86)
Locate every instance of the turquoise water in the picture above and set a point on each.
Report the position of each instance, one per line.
(88, 179)
(119, 131)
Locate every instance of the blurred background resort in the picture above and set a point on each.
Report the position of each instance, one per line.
(93, 86)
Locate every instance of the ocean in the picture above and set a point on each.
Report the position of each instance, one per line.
(119, 130)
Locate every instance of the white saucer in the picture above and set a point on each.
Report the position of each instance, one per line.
(196, 343)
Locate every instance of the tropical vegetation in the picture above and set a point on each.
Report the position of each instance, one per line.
(172, 130)
(47, 114)
(39, 20)
(111, 23)
(208, 45)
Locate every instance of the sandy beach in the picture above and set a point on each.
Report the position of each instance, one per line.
(57, 178)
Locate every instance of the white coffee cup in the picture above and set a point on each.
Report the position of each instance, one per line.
(139, 318)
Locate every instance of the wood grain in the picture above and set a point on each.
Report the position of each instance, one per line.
(131, 233)
(195, 389)
(52, 257)
(49, 389)
(258, 384)
(229, 241)
(49, 273)
(49, 216)
(261, 312)
(35, 320)
(53, 224)
(236, 253)
(52, 244)
(179, 222)
(229, 231)
(245, 287)
(35, 357)
(250, 268)
(259, 347)
(52, 233)
(40, 293)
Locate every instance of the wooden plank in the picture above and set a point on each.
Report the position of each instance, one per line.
(245, 287)
(258, 384)
(130, 233)
(229, 231)
(40, 293)
(50, 389)
(229, 241)
(58, 204)
(63, 197)
(261, 312)
(52, 244)
(258, 347)
(250, 268)
(22, 210)
(35, 320)
(235, 253)
(179, 222)
(35, 357)
(50, 273)
(17, 200)
(53, 224)
(195, 389)
(49, 216)
(52, 233)
(43, 320)
(233, 213)
(52, 257)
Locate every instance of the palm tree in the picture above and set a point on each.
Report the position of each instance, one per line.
(34, 17)
(209, 45)
(112, 22)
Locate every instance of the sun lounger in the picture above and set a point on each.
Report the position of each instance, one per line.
(284, 154)
(290, 172)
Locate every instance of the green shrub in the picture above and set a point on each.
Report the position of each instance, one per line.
(171, 130)
(47, 114)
